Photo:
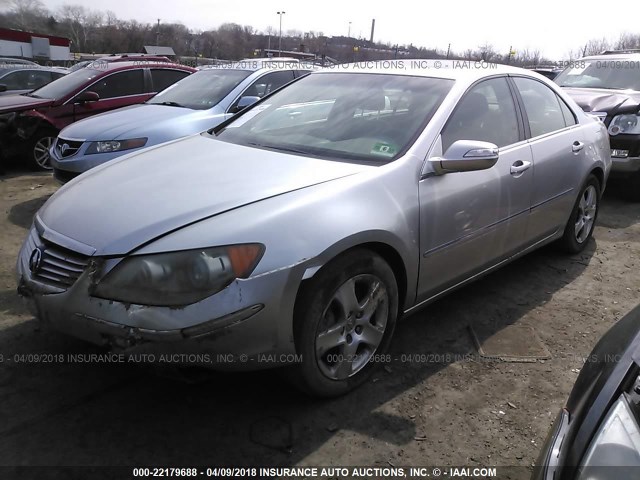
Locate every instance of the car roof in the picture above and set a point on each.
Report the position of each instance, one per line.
(19, 67)
(113, 66)
(614, 56)
(448, 69)
(124, 57)
(267, 64)
(16, 61)
(261, 65)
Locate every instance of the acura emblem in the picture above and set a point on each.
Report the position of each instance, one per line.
(64, 148)
(35, 260)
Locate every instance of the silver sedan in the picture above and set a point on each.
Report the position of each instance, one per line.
(298, 232)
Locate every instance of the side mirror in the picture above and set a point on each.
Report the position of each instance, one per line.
(244, 102)
(3, 87)
(466, 156)
(87, 96)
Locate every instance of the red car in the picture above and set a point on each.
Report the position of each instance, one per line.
(29, 123)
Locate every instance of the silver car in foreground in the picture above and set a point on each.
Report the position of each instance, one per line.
(299, 231)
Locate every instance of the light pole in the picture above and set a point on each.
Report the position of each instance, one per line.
(280, 41)
(349, 34)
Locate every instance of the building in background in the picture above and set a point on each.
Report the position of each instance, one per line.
(17, 43)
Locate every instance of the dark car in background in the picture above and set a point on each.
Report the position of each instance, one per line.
(16, 61)
(30, 123)
(608, 86)
(16, 79)
(549, 72)
(596, 435)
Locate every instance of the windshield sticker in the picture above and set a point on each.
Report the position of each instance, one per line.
(248, 116)
(384, 149)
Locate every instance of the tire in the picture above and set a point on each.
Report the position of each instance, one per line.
(582, 221)
(38, 148)
(336, 331)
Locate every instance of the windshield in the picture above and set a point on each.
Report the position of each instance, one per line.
(65, 85)
(346, 116)
(202, 90)
(612, 74)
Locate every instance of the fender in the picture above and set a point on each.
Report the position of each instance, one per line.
(28, 122)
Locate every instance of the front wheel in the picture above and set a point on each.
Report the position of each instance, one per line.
(38, 149)
(344, 317)
(583, 217)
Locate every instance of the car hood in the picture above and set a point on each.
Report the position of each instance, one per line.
(605, 100)
(122, 205)
(12, 103)
(128, 122)
(14, 92)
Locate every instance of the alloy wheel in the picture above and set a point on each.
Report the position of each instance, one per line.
(352, 326)
(587, 208)
(41, 152)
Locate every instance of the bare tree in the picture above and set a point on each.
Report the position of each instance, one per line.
(628, 41)
(28, 14)
(486, 52)
(596, 46)
(80, 22)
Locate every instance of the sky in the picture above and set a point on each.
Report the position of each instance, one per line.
(552, 26)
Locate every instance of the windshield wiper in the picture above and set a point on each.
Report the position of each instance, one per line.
(31, 95)
(169, 104)
(280, 149)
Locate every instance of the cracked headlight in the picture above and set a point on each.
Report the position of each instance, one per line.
(616, 444)
(107, 146)
(178, 278)
(627, 123)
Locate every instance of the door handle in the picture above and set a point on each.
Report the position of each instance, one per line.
(519, 167)
(577, 146)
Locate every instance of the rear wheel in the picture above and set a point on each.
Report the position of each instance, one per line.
(38, 148)
(344, 317)
(583, 217)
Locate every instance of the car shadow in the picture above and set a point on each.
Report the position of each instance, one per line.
(77, 413)
(615, 211)
(21, 214)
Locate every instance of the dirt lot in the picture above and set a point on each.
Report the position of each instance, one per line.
(441, 409)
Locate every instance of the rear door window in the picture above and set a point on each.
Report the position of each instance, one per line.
(16, 80)
(120, 84)
(542, 106)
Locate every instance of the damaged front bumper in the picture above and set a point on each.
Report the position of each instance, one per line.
(248, 321)
(625, 155)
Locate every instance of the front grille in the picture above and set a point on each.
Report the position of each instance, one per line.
(59, 267)
(67, 148)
